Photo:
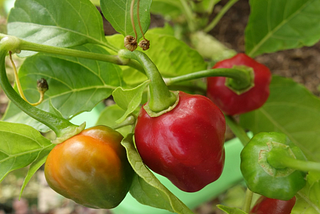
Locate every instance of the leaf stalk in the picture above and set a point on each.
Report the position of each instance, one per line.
(62, 127)
(160, 96)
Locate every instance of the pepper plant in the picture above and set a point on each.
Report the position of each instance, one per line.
(175, 89)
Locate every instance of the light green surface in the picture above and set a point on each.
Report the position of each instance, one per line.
(231, 175)
(89, 117)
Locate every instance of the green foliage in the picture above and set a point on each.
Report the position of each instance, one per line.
(171, 56)
(292, 110)
(204, 6)
(129, 99)
(109, 117)
(20, 146)
(278, 25)
(35, 165)
(308, 200)
(58, 23)
(75, 84)
(169, 9)
(230, 210)
(118, 14)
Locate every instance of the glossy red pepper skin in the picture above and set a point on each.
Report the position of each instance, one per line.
(230, 102)
(266, 205)
(90, 168)
(186, 144)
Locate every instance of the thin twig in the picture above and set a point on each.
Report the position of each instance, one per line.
(132, 19)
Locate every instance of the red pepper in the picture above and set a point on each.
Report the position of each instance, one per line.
(266, 205)
(186, 144)
(227, 99)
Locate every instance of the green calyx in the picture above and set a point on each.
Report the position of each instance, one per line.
(268, 176)
(161, 99)
(240, 87)
(274, 168)
(68, 132)
(157, 114)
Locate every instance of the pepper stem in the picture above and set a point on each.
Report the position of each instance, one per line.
(62, 127)
(240, 79)
(248, 201)
(279, 159)
(244, 138)
(161, 98)
(18, 84)
(30, 46)
(237, 130)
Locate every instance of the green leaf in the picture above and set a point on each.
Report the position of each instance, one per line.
(205, 6)
(210, 48)
(63, 23)
(147, 189)
(171, 56)
(118, 14)
(75, 84)
(292, 110)
(110, 115)
(129, 99)
(230, 210)
(36, 164)
(167, 8)
(278, 25)
(308, 199)
(20, 146)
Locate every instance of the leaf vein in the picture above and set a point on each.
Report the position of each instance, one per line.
(270, 33)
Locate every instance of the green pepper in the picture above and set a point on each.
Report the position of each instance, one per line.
(263, 175)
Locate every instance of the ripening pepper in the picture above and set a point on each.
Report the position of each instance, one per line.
(233, 102)
(266, 205)
(185, 144)
(264, 178)
(90, 168)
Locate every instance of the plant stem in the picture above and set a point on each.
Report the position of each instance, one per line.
(197, 89)
(18, 84)
(129, 121)
(248, 201)
(59, 125)
(243, 77)
(237, 130)
(189, 15)
(283, 160)
(16, 78)
(243, 137)
(138, 17)
(132, 19)
(160, 96)
(216, 20)
(30, 46)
